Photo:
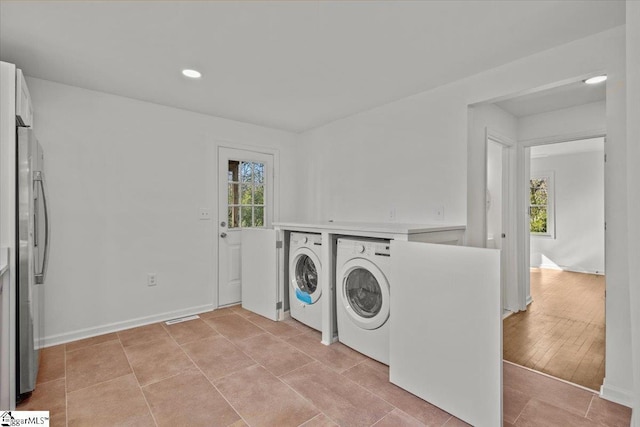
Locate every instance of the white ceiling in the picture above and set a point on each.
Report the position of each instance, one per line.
(572, 147)
(566, 96)
(288, 65)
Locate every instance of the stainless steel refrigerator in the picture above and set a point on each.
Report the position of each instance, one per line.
(33, 254)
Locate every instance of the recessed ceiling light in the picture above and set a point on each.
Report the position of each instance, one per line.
(192, 74)
(596, 79)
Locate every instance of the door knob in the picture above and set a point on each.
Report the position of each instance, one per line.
(223, 235)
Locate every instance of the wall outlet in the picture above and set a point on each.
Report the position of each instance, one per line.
(438, 213)
(204, 214)
(152, 279)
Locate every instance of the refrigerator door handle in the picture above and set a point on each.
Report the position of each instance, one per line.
(40, 276)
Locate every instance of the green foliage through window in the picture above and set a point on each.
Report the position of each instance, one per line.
(246, 195)
(539, 205)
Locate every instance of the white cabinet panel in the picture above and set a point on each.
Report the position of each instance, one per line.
(259, 271)
(446, 328)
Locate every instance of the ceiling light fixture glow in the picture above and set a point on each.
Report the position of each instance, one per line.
(192, 74)
(595, 80)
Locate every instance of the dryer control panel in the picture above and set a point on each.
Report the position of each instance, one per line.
(305, 239)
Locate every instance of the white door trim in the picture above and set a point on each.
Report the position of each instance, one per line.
(567, 137)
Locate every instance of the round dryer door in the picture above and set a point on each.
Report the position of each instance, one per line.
(304, 272)
(365, 294)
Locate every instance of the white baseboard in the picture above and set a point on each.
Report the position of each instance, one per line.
(568, 268)
(616, 394)
(506, 313)
(120, 326)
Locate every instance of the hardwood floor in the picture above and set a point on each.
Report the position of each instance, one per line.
(563, 331)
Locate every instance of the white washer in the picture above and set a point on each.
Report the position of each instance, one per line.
(305, 270)
(362, 296)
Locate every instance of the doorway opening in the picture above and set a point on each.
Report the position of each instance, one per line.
(562, 332)
(552, 257)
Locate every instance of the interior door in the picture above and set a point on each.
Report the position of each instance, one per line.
(500, 230)
(245, 201)
(446, 328)
(496, 201)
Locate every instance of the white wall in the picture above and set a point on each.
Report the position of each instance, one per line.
(412, 154)
(578, 191)
(126, 179)
(583, 118)
(633, 159)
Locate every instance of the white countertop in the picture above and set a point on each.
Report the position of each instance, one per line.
(381, 227)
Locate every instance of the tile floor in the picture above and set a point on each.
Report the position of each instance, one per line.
(234, 368)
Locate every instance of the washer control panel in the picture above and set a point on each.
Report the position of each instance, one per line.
(366, 248)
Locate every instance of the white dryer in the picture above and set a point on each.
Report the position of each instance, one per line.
(362, 296)
(305, 269)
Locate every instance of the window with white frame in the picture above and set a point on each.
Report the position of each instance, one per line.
(541, 205)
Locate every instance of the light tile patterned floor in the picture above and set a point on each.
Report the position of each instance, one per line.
(562, 333)
(234, 368)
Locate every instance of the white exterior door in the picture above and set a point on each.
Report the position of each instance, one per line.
(245, 189)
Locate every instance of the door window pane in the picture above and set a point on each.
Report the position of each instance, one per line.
(234, 217)
(234, 195)
(246, 194)
(258, 173)
(246, 217)
(258, 216)
(258, 196)
(232, 174)
(245, 172)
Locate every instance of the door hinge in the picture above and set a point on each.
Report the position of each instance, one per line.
(605, 226)
(504, 235)
(278, 305)
(605, 158)
(278, 244)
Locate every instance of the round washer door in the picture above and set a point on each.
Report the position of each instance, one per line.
(365, 293)
(304, 272)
